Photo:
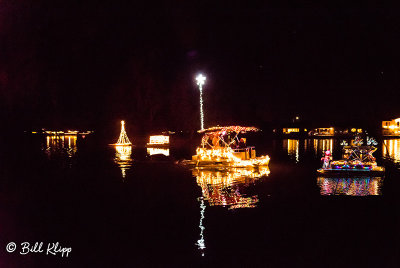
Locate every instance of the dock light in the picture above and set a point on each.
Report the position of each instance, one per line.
(200, 82)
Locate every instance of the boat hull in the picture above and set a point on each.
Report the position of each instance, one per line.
(224, 164)
(377, 171)
(125, 144)
(153, 145)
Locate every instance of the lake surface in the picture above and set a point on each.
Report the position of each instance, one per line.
(120, 207)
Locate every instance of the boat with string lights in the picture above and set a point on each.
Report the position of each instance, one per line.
(357, 159)
(221, 147)
(123, 139)
(158, 141)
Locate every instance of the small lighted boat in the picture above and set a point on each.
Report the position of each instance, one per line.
(357, 159)
(158, 141)
(123, 140)
(221, 147)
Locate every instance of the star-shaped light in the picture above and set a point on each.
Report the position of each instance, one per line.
(200, 79)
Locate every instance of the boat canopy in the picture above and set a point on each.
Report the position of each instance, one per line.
(220, 132)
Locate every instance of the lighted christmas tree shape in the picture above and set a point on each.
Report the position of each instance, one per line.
(123, 138)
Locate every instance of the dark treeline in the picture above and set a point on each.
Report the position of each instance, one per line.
(88, 65)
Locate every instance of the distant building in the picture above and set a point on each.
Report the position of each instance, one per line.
(331, 131)
(391, 128)
(295, 127)
(291, 131)
(62, 132)
(322, 131)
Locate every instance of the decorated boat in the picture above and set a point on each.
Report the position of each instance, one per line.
(123, 139)
(221, 147)
(357, 159)
(158, 141)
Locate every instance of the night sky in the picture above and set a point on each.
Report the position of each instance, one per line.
(89, 65)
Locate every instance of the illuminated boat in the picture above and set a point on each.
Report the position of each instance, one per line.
(357, 159)
(221, 147)
(158, 141)
(123, 139)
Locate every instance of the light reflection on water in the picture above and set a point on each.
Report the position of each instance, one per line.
(201, 242)
(223, 188)
(64, 145)
(123, 158)
(294, 147)
(391, 149)
(360, 186)
(321, 145)
(156, 150)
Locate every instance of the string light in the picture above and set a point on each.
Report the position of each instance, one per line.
(371, 141)
(159, 140)
(201, 243)
(344, 143)
(200, 82)
(357, 157)
(220, 150)
(123, 138)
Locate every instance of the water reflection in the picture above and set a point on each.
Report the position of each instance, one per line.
(222, 187)
(321, 145)
(64, 145)
(296, 148)
(360, 186)
(201, 242)
(391, 149)
(156, 150)
(225, 188)
(123, 158)
(292, 147)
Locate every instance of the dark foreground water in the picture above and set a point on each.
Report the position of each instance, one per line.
(116, 209)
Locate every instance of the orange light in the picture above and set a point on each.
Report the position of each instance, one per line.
(159, 140)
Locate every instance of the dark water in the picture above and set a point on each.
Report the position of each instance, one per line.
(116, 209)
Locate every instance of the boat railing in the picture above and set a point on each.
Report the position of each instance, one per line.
(245, 153)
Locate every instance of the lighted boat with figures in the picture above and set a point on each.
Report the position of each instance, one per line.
(357, 159)
(221, 147)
